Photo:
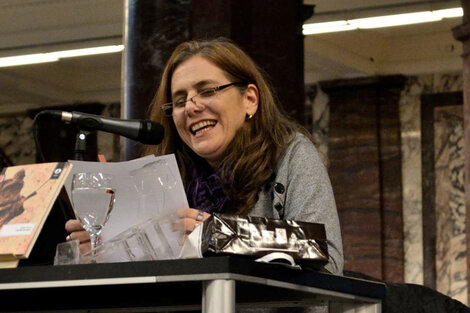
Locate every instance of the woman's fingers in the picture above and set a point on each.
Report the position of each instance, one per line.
(75, 228)
(185, 224)
(189, 219)
(194, 214)
(73, 225)
(82, 236)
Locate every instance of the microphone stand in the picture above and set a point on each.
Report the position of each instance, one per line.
(80, 145)
(79, 155)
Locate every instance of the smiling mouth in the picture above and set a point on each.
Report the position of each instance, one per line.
(202, 125)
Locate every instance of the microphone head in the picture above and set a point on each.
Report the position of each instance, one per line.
(151, 133)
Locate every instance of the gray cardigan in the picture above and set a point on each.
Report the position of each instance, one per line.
(301, 190)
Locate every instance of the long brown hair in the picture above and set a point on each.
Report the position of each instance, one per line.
(250, 159)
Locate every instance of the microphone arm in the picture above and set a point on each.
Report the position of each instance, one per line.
(94, 122)
(144, 131)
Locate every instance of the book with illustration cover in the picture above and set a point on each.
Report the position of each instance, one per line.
(27, 194)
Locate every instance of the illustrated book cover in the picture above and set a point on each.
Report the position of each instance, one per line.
(27, 194)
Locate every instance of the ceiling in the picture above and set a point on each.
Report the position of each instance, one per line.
(28, 26)
(410, 50)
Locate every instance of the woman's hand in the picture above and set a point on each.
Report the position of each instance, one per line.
(188, 219)
(75, 228)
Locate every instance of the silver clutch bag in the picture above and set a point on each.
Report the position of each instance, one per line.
(256, 237)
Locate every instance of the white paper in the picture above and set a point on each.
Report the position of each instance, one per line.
(146, 188)
(18, 229)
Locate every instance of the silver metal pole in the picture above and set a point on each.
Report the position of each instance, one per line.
(125, 94)
(218, 296)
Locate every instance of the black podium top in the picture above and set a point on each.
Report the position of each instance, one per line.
(170, 284)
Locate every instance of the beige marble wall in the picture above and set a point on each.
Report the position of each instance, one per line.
(410, 121)
(450, 271)
(451, 259)
(410, 108)
(16, 138)
(317, 102)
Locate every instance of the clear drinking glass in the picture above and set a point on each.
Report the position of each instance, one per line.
(93, 200)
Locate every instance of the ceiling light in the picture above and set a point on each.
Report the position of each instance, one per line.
(381, 21)
(449, 13)
(395, 20)
(27, 59)
(87, 51)
(327, 27)
(56, 55)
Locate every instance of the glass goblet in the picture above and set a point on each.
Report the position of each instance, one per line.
(93, 199)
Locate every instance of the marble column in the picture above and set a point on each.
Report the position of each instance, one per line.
(462, 33)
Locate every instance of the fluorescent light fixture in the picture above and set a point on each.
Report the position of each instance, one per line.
(449, 13)
(27, 59)
(327, 27)
(381, 21)
(87, 51)
(395, 20)
(57, 55)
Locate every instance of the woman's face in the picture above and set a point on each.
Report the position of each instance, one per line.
(209, 126)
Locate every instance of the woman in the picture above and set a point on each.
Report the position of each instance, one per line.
(236, 151)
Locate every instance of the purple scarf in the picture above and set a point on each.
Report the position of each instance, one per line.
(204, 190)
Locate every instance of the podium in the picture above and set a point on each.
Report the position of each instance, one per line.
(212, 284)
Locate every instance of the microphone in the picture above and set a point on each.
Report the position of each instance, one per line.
(144, 131)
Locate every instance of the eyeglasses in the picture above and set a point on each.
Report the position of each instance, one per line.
(205, 97)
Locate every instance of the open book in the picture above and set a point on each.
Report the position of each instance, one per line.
(27, 194)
